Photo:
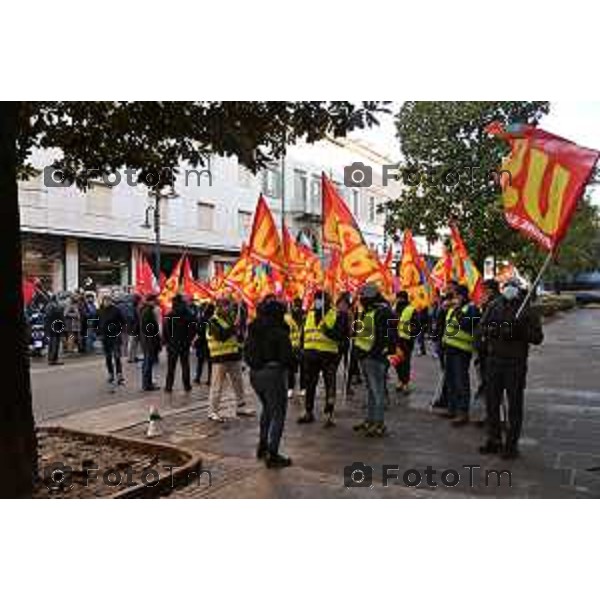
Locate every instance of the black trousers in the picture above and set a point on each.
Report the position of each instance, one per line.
(183, 356)
(315, 363)
(505, 375)
(403, 368)
(270, 385)
(112, 355)
(201, 360)
(297, 367)
(53, 348)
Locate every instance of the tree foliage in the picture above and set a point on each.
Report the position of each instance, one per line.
(450, 171)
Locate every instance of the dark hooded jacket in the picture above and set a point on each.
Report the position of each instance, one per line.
(268, 341)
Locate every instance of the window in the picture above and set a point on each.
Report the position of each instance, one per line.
(271, 182)
(244, 223)
(315, 195)
(355, 203)
(206, 213)
(371, 209)
(300, 187)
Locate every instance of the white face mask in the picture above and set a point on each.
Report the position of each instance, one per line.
(318, 304)
(510, 292)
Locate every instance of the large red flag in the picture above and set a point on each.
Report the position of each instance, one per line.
(264, 244)
(145, 281)
(170, 288)
(340, 230)
(542, 179)
(192, 288)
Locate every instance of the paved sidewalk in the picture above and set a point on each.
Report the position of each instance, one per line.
(561, 448)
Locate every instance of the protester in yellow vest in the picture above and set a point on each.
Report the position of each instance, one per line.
(462, 320)
(295, 321)
(225, 356)
(408, 329)
(375, 344)
(322, 336)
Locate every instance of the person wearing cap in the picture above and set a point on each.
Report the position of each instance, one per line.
(150, 339)
(375, 341)
(408, 329)
(323, 333)
(459, 344)
(223, 337)
(506, 340)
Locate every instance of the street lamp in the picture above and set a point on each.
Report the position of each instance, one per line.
(156, 210)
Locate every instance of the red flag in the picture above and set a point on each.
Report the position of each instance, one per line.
(466, 271)
(264, 244)
(542, 180)
(192, 288)
(414, 278)
(170, 288)
(335, 212)
(28, 290)
(145, 282)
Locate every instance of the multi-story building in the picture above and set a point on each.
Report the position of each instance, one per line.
(70, 237)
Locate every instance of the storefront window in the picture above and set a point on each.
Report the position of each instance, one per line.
(103, 263)
(43, 259)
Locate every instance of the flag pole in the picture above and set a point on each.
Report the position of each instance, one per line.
(535, 283)
(285, 273)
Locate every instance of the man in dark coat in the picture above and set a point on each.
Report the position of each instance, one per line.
(54, 325)
(149, 339)
(178, 332)
(111, 327)
(506, 340)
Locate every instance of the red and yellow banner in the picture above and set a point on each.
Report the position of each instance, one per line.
(170, 288)
(264, 244)
(195, 290)
(543, 177)
(464, 269)
(414, 278)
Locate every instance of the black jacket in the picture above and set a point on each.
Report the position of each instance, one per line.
(112, 322)
(268, 341)
(179, 328)
(502, 336)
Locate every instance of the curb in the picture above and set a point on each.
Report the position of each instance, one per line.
(178, 478)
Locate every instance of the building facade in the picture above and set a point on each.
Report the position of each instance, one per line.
(73, 239)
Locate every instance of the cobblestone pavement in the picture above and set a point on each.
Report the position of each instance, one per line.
(560, 447)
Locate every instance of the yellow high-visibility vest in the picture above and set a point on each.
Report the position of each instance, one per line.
(404, 328)
(217, 348)
(294, 330)
(456, 337)
(314, 337)
(365, 332)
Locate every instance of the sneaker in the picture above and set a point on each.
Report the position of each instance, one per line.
(329, 423)
(213, 416)
(261, 452)
(152, 388)
(306, 418)
(290, 394)
(375, 430)
(361, 427)
(121, 380)
(460, 420)
(110, 381)
(302, 393)
(278, 461)
(188, 390)
(244, 412)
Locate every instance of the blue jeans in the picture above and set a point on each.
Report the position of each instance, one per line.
(458, 383)
(270, 385)
(375, 373)
(147, 365)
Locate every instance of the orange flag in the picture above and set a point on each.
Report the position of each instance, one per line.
(465, 270)
(441, 273)
(414, 278)
(542, 180)
(264, 244)
(192, 288)
(341, 231)
(145, 282)
(171, 287)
